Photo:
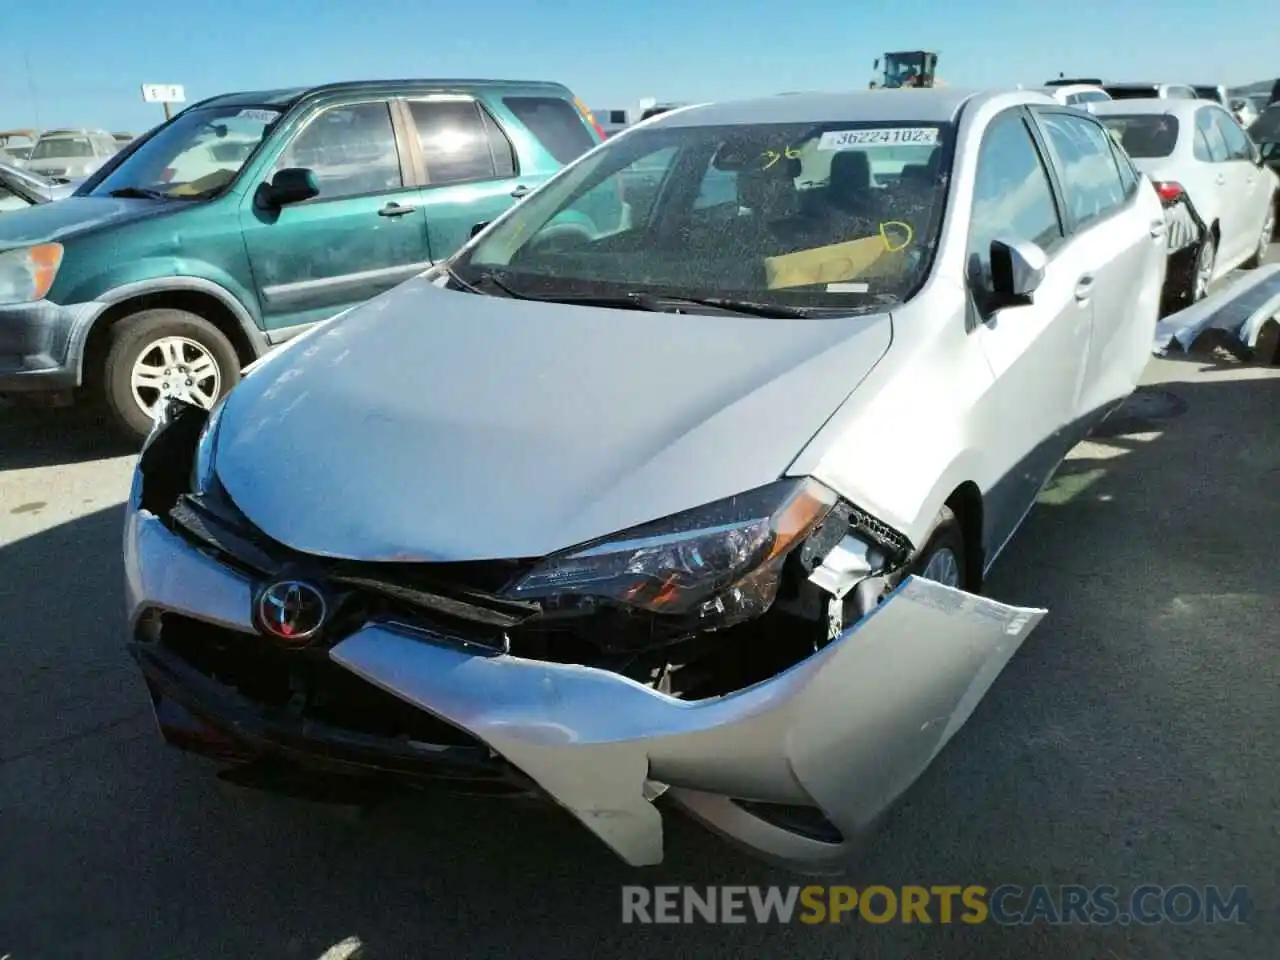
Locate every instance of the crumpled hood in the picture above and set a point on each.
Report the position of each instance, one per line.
(437, 425)
(49, 222)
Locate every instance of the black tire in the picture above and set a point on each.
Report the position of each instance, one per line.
(1192, 293)
(946, 534)
(133, 337)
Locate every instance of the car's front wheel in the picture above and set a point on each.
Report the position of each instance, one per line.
(159, 355)
(943, 557)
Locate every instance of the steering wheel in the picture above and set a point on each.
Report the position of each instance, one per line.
(559, 237)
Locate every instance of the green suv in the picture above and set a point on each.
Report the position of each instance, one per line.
(250, 216)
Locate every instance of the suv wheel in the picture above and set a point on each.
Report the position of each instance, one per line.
(158, 355)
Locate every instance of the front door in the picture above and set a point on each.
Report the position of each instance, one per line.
(1035, 352)
(363, 234)
(471, 168)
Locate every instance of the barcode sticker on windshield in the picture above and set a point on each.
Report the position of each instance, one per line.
(262, 116)
(879, 137)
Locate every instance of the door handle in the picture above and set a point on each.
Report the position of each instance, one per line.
(1220, 179)
(1157, 229)
(1084, 287)
(395, 210)
(520, 191)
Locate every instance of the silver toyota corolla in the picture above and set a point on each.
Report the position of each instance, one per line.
(676, 487)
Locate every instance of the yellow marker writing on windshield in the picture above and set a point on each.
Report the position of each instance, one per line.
(773, 156)
(890, 245)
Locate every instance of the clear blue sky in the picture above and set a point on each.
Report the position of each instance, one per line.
(88, 57)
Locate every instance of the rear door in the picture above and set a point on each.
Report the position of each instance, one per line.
(1122, 229)
(471, 169)
(1036, 352)
(361, 236)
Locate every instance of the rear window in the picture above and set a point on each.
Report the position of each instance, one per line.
(555, 123)
(1208, 93)
(1144, 136)
(1133, 93)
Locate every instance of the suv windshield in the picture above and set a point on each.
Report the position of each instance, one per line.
(195, 156)
(1144, 136)
(60, 147)
(833, 215)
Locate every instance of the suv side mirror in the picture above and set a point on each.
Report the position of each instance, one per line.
(1017, 270)
(292, 185)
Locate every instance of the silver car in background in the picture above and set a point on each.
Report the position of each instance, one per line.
(679, 481)
(20, 188)
(72, 154)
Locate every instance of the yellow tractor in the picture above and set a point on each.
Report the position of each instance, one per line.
(906, 68)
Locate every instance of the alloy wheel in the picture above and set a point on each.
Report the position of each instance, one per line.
(174, 368)
(943, 567)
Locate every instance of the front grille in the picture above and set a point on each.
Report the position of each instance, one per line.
(300, 685)
(456, 599)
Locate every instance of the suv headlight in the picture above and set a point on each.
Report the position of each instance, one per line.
(720, 562)
(28, 274)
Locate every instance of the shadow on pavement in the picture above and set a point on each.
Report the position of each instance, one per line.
(1130, 741)
(33, 437)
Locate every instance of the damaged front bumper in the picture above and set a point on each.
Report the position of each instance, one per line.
(841, 734)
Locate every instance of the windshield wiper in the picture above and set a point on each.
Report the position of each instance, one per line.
(491, 280)
(641, 300)
(137, 193)
(660, 302)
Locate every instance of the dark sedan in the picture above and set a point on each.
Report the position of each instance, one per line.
(1265, 132)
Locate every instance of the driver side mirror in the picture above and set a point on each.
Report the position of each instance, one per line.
(1017, 270)
(291, 185)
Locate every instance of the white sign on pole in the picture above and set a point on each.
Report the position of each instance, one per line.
(163, 93)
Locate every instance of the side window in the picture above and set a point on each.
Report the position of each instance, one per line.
(1011, 197)
(1129, 176)
(351, 149)
(1214, 147)
(555, 123)
(10, 200)
(455, 141)
(1086, 166)
(1237, 141)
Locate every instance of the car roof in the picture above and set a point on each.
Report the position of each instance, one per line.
(288, 96)
(922, 105)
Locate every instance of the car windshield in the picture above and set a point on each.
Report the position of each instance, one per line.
(1266, 129)
(58, 148)
(835, 215)
(196, 156)
(1144, 136)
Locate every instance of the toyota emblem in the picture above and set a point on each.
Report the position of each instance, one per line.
(292, 610)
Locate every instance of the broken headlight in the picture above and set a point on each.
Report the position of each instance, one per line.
(720, 563)
(202, 466)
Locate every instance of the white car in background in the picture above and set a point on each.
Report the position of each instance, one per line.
(1075, 94)
(1208, 172)
(71, 154)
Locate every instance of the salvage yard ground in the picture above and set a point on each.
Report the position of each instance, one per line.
(1131, 741)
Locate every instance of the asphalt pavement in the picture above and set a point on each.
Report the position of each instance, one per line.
(1132, 740)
